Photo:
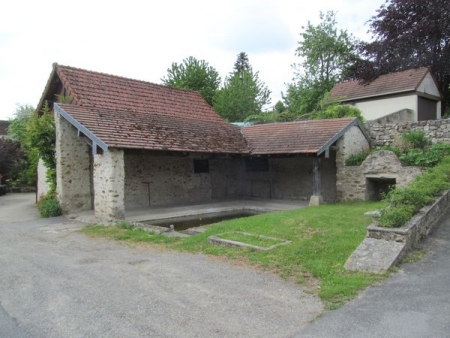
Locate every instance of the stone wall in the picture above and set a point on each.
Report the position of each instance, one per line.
(172, 179)
(109, 184)
(73, 168)
(417, 228)
(438, 131)
(348, 179)
(353, 180)
(291, 178)
(226, 177)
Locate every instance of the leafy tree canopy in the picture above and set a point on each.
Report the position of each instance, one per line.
(242, 95)
(195, 75)
(408, 34)
(18, 124)
(10, 155)
(325, 52)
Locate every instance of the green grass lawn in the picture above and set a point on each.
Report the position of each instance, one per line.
(322, 239)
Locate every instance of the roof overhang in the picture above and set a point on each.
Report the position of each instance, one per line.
(326, 147)
(96, 142)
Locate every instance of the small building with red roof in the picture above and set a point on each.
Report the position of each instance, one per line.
(123, 144)
(410, 95)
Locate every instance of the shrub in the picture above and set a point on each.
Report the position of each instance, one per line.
(48, 206)
(394, 217)
(417, 139)
(425, 158)
(405, 202)
(410, 196)
(357, 159)
(338, 111)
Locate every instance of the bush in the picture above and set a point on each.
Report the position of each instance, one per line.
(405, 202)
(48, 206)
(395, 217)
(417, 139)
(338, 111)
(425, 158)
(357, 159)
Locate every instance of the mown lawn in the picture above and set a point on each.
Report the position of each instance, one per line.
(322, 239)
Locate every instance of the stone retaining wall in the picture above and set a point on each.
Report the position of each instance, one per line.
(438, 131)
(417, 227)
(352, 181)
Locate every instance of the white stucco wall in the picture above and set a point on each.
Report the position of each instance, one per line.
(374, 109)
(42, 185)
(428, 86)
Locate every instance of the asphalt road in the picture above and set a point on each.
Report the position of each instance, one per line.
(415, 302)
(55, 282)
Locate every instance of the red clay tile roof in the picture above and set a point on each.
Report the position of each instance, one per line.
(127, 113)
(392, 83)
(307, 137)
(125, 129)
(4, 127)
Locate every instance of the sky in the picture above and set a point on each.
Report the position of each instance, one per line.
(140, 39)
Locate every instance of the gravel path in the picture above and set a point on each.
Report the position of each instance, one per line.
(56, 282)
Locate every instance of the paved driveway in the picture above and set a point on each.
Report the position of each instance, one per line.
(55, 282)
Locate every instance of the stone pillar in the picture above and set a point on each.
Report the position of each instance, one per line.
(316, 199)
(109, 185)
(73, 182)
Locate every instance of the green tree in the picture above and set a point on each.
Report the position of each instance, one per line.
(18, 124)
(325, 52)
(242, 64)
(195, 75)
(11, 155)
(24, 171)
(242, 95)
(40, 138)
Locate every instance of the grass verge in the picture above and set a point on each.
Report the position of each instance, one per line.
(322, 239)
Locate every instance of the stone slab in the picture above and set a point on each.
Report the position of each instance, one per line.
(375, 255)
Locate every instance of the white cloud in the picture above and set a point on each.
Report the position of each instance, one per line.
(140, 39)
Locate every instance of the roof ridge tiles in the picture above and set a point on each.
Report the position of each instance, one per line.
(124, 78)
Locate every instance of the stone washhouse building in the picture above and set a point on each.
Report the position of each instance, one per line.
(123, 144)
(407, 96)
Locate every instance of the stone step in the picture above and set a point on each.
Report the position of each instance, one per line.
(375, 255)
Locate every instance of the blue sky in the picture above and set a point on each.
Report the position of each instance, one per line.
(140, 39)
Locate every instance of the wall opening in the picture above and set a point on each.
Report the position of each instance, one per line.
(378, 187)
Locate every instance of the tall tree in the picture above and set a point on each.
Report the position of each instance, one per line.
(195, 75)
(242, 64)
(242, 95)
(325, 52)
(408, 34)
